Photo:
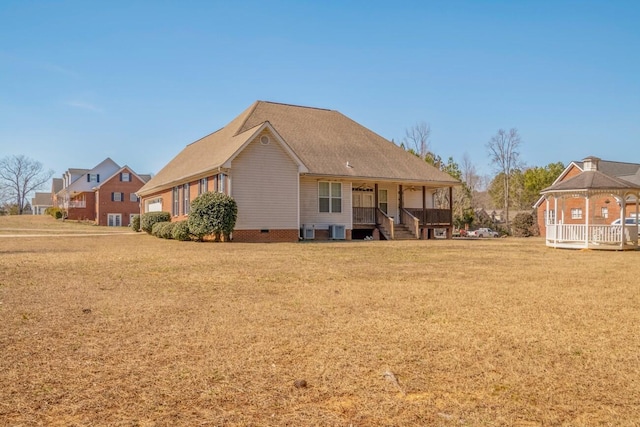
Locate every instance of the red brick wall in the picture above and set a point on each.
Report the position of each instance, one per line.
(86, 213)
(105, 205)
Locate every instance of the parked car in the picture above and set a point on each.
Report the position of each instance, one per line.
(483, 232)
(461, 232)
(627, 222)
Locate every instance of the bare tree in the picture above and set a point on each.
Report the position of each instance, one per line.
(504, 155)
(470, 176)
(416, 139)
(21, 176)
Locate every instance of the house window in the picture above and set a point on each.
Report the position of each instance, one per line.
(550, 216)
(114, 220)
(222, 183)
(382, 201)
(604, 212)
(125, 177)
(576, 213)
(185, 199)
(93, 177)
(133, 197)
(117, 197)
(330, 196)
(176, 201)
(202, 187)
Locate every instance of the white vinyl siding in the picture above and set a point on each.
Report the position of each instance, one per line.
(264, 184)
(309, 212)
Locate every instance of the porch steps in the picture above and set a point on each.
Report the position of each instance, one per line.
(400, 232)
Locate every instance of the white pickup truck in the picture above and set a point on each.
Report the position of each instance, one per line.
(483, 232)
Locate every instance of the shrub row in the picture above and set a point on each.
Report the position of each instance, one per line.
(135, 223)
(211, 214)
(150, 218)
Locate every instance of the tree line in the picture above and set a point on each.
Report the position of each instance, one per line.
(514, 185)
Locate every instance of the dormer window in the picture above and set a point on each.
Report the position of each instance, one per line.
(93, 177)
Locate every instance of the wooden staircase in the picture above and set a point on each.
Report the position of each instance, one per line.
(400, 232)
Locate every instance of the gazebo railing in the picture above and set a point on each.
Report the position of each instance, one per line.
(583, 236)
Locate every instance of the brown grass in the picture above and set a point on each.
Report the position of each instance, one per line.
(130, 330)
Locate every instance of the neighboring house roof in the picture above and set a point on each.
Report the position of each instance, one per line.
(624, 174)
(323, 142)
(56, 185)
(591, 180)
(42, 199)
(116, 173)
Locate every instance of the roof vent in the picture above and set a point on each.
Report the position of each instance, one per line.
(590, 163)
(264, 140)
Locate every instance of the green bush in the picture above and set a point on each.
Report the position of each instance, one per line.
(212, 214)
(162, 229)
(181, 231)
(135, 223)
(54, 212)
(147, 220)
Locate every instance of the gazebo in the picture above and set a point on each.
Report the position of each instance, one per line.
(568, 227)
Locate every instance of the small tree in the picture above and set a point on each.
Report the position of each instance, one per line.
(505, 156)
(524, 225)
(212, 214)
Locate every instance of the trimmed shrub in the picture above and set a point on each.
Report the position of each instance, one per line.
(135, 223)
(54, 212)
(162, 230)
(181, 231)
(147, 220)
(212, 214)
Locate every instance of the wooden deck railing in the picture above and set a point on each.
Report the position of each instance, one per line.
(385, 222)
(431, 216)
(364, 216)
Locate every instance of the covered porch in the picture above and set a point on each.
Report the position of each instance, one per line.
(411, 215)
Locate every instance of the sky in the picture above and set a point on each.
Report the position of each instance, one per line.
(139, 80)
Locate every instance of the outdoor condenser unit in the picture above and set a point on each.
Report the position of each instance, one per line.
(308, 233)
(337, 232)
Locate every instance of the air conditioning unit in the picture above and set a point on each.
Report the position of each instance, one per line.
(308, 233)
(337, 232)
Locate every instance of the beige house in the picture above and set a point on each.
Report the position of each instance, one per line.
(305, 173)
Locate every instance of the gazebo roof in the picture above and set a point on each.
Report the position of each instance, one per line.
(591, 180)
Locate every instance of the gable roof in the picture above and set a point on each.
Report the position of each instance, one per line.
(122, 169)
(42, 199)
(624, 175)
(325, 142)
(591, 180)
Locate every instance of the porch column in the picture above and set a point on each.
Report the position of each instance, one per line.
(555, 221)
(586, 222)
(375, 195)
(623, 225)
(450, 228)
(424, 205)
(400, 202)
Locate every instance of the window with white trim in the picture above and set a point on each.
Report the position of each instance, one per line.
(185, 199)
(330, 197)
(133, 197)
(125, 177)
(576, 213)
(93, 177)
(604, 212)
(202, 187)
(382, 201)
(176, 201)
(550, 215)
(116, 197)
(222, 183)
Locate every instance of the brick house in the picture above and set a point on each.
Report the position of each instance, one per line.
(578, 210)
(105, 194)
(302, 172)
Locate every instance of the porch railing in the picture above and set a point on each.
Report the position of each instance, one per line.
(364, 216)
(586, 236)
(386, 223)
(411, 222)
(431, 216)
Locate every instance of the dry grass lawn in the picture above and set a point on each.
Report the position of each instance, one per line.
(130, 330)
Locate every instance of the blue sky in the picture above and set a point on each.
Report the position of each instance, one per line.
(138, 80)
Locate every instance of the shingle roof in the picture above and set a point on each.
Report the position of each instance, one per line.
(591, 180)
(324, 140)
(42, 199)
(615, 168)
